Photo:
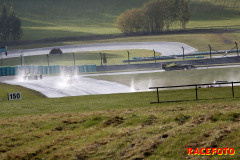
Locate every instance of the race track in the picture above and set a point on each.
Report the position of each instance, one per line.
(166, 48)
(56, 86)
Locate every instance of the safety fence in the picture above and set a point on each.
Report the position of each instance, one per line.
(55, 69)
(196, 86)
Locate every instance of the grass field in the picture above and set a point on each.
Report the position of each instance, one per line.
(221, 41)
(200, 41)
(119, 126)
(47, 19)
(82, 58)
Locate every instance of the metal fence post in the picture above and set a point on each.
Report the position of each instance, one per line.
(183, 53)
(48, 59)
(154, 54)
(210, 51)
(237, 48)
(1, 59)
(22, 57)
(196, 92)
(74, 60)
(101, 58)
(232, 90)
(158, 95)
(128, 57)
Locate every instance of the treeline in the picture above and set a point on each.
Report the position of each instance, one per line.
(10, 24)
(155, 16)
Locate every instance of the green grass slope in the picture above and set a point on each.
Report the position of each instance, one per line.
(206, 13)
(118, 126)
(58, 18)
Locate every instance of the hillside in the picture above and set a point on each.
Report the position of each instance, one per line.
(118, 126)
(46, 19)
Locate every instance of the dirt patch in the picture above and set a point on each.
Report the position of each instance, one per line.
(3, 150)
(210, 139)
(235, 117)
(91, 149)
(150, 120)
(181, 118)
(114, 121)
(142, 148)
(59, 128)
(71, 121)
(94, 147)
(201, 119)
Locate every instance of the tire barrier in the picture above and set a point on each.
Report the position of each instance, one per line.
(26, 69)
(65, 70)
(7, 71)
(49, 69)
(139, 59)
(87, 68)
(44, 70)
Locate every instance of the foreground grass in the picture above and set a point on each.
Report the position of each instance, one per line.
(118, 126)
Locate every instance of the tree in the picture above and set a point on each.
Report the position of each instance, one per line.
(154, 16)
(184, 14)
(170, 13)
(10, 25)
(4, 24)
(131, 21)
(14, 26)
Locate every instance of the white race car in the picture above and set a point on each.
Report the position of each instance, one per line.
(31, 76)
(216, 84)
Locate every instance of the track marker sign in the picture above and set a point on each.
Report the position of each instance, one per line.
(14, 96)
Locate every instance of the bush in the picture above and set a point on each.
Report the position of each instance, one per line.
(154, 16)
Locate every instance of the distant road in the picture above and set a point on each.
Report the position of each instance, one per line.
(166, 48)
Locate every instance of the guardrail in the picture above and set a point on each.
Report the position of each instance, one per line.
(196, 88)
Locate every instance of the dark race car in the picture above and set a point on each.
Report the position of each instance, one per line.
(174, 66)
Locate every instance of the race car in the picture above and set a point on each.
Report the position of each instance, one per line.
(31, 76)
(175, 66)
(68, 79)
(217, 84)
